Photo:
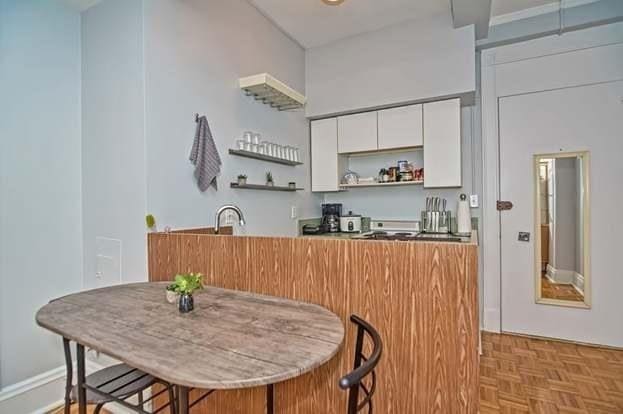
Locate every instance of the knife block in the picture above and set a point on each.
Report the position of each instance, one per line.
(444, 223)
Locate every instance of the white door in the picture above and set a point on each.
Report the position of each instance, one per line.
(585, 118)
(357, 133)
(400, 127)
(324, 158)
(442, 144)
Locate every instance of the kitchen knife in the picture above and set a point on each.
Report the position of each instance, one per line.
(428, 214)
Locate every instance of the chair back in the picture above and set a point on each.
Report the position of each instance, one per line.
(363, 366)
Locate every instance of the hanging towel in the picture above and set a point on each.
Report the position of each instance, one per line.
(204, 156)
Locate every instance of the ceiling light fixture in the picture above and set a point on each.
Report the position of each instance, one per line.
(333, 2)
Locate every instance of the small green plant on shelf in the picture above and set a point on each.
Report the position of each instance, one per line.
(242, 179)
(150, 221)
(269, 179)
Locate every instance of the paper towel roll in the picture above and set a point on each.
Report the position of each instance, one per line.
(463, 216)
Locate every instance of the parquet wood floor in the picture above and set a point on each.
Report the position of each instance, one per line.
(525, 375)
(560, 291)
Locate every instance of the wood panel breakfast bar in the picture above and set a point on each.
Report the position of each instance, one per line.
(421, 296)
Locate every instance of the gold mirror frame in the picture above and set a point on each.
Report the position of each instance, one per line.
(586, 304)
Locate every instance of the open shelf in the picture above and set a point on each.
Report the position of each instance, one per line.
(263, 187)
(271, 91)
(263, 157)
(394, 184)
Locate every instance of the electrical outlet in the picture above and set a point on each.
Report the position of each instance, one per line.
(293, 212)
(473, 201)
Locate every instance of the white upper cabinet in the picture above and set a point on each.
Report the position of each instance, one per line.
(442, 144)
(324, 157)
(400, 127)
(357, 133)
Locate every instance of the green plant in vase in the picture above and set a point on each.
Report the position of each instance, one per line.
(186, 284)
(269, 179)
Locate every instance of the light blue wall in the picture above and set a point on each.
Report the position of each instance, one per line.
(113, 142)
(195, 51)
(40, 213)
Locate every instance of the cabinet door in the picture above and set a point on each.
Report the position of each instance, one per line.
(400, 127)
(324, 158)
(442, 144)
(357, 133)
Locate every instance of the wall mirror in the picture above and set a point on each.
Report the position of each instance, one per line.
(562, 229)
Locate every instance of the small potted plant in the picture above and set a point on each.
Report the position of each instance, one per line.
(150, 221)
(242, 179)
(187, 284)
(172, 293)
(269, 179)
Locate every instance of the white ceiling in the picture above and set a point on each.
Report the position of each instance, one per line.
(312, 23)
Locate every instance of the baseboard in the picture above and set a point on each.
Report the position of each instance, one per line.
(491, 321)
(34, 395)
(565, 341)
(43, 393)
(578, 282)
(560, 275)
(568, 277)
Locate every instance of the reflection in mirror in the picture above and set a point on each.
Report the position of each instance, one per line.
(561, 213)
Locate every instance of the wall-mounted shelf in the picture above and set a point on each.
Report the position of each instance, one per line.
(263, 157)
(263, 187)
(394, 184)
(271, 91)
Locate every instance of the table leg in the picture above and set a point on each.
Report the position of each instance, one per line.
(270, 399)
(182, 402)
(82, 392)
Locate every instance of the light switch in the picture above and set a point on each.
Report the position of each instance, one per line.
(473, 201)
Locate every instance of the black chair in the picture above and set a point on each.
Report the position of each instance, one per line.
(364, 366)
(114, 384)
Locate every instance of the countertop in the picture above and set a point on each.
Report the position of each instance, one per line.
(353, 236)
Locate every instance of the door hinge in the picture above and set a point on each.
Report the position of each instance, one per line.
(504, 205)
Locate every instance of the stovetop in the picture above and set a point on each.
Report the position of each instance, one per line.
(409, 236)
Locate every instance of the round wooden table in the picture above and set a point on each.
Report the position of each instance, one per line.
(232, 339)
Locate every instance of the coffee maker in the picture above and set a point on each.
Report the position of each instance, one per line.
(331, 214)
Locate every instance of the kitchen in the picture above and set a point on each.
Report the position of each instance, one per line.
(362, 149)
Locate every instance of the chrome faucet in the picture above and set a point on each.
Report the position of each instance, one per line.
(221, 210)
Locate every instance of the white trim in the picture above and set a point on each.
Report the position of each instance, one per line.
(31, 383)
(45, 391)
(36, 395)
(568, 277)
(536, 11)
(578, 282)
(560, 275)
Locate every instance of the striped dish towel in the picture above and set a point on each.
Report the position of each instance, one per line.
(204, 156)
